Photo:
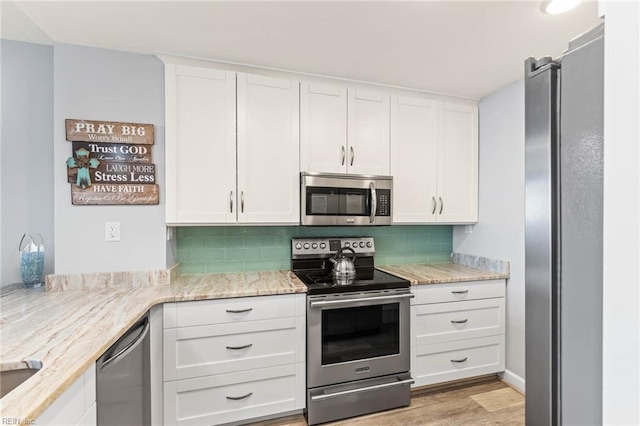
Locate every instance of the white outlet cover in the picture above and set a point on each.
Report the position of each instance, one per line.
(112, 231)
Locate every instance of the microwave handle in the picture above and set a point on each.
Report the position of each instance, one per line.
(374, 201)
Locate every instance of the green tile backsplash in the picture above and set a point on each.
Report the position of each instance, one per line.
(263, 248)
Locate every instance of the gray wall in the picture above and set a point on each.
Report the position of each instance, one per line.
(26, 151)
(499, 233)
(101, 84)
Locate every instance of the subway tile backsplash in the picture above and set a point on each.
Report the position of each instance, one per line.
(255, 248)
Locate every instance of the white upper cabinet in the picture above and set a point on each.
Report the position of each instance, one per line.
(344, 130)
(323, 125)
(434, 161)
(200, 144)
(268, 150)
(229, 163)
(368, 132)
(413, 159)
(458, 163)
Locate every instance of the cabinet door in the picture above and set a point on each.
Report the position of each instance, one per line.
(413, 159)
(200, 145)
(268, 150)
(323, 125)
(368, 134)
(458, 164)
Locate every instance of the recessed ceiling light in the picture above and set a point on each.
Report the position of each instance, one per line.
(554, 7)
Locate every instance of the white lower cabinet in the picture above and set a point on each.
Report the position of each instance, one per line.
(76, 406)
(244, 358)
(457, 331)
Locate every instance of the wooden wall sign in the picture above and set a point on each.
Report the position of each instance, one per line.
(109, 131)
(111, 163)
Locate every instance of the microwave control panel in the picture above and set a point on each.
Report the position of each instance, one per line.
(383, 207)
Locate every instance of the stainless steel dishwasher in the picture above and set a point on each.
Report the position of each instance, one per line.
(123, 390)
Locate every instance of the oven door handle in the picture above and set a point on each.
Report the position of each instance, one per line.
(320, 303)
(366, 389)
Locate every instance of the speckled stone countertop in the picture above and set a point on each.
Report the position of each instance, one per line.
(438, 273)
(69, 330)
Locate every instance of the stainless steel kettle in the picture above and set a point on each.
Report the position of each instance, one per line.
(344, 269)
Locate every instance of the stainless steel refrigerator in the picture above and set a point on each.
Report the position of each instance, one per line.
(564, 120)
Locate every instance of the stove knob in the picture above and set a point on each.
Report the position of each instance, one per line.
(369, 244)
(323, 245)
(298, 246)
(314, 246)
(306, 246)
(362, 244)
(347, 245)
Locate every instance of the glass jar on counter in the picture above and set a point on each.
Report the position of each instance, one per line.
(31, 250)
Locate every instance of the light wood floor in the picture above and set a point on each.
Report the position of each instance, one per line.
(489, 403)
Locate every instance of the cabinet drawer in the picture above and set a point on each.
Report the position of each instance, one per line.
(454, 292)
(214, 349)
(203, 312)
(443, 362)
(447, 322)
(235, 396)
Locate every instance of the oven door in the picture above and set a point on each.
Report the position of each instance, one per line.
(345, 199)
(353, 336)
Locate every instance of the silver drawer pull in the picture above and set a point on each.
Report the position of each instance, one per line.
(460, 292)
(239, 348)
(459, 360)
(238, 398)
(459, 321)
(239, 311)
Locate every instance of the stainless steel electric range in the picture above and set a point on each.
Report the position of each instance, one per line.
(357, 333)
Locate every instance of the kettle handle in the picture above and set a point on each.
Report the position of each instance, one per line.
(341, 251)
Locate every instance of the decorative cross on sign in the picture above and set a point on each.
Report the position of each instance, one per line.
(83, 163)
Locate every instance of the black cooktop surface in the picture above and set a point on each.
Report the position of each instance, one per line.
(321, 282)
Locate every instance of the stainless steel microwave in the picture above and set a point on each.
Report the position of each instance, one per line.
(337, 199)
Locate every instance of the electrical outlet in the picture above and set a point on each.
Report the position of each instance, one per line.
(112, 231)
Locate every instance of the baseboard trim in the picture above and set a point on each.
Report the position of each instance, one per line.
(513, 380)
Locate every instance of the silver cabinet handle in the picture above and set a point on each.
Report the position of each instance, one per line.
(435, 204)
(368, 388)
(113, 360)
(363, 299)
(239, 311)
(441, 204)
(231, 202)
(460, 291)
(344, 154)
(238, 398)
(353, 155)
(459, 360)
(241, 201)
(459, 321)
(374, 201)
(239, 348)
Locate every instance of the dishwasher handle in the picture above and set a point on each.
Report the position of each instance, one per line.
(113, 360)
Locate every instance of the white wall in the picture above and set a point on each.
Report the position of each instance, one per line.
(499, 233)
(26, 169)
(621, 311)
(99, 84)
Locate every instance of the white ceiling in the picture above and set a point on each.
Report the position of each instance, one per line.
(464, 48)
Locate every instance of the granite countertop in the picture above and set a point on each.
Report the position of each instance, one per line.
(438, 273)
(69, 330)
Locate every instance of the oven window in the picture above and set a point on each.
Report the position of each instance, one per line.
(350, 334)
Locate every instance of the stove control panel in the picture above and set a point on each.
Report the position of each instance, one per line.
(328, 246)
